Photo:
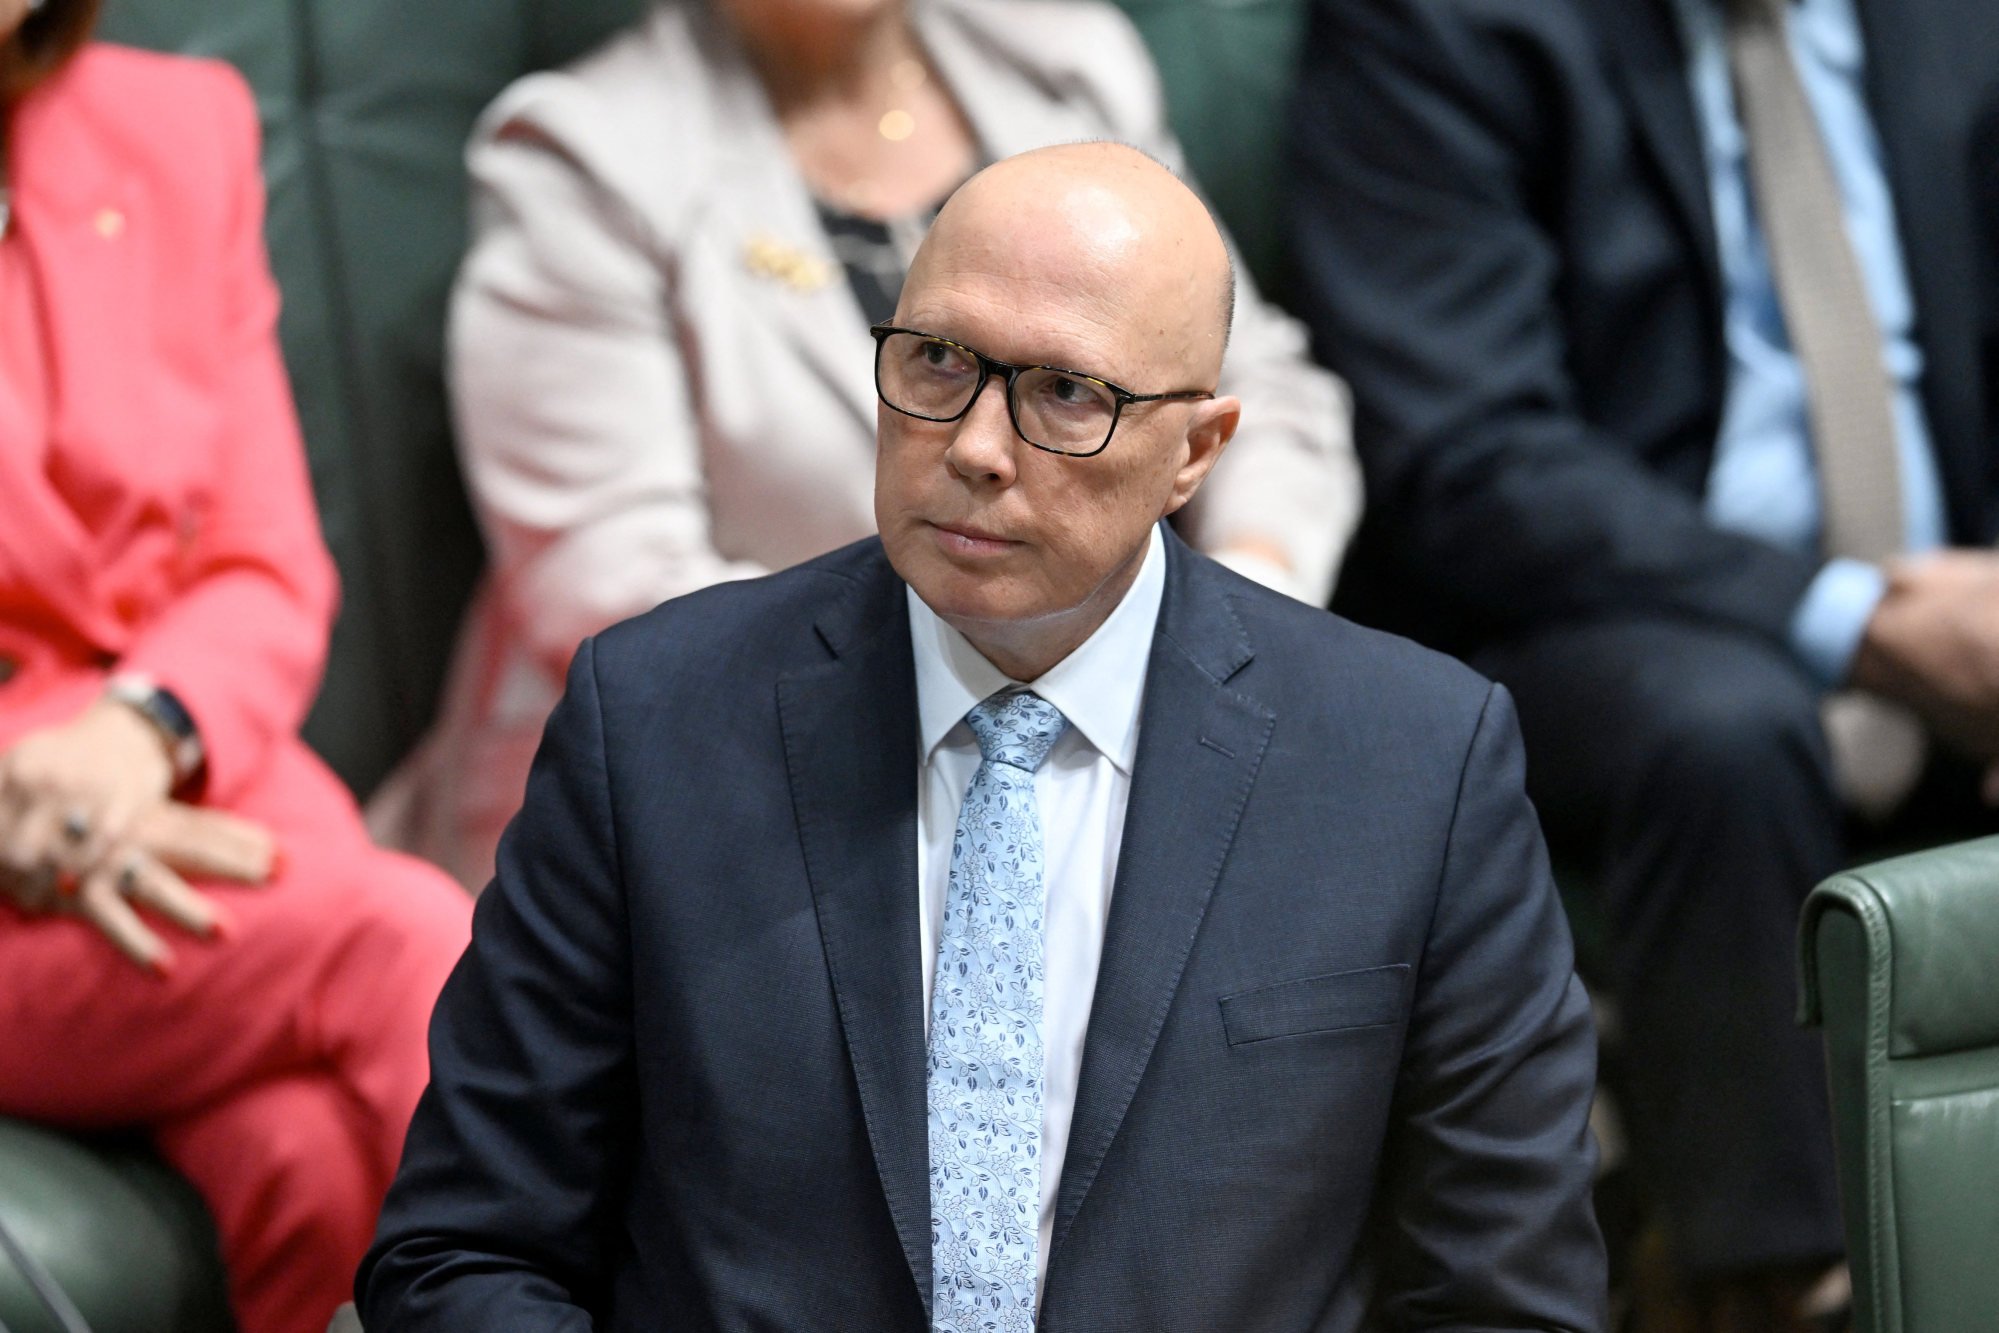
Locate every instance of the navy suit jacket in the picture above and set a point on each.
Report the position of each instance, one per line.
(1337, 1062)
(1500, 216)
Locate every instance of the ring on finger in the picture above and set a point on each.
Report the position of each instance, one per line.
(76, 826)
(128, 876)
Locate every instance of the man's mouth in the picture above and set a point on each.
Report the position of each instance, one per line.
(965, 539)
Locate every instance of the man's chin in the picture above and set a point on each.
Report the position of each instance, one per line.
(962, 601)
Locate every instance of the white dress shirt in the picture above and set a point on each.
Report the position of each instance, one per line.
(1082, 788)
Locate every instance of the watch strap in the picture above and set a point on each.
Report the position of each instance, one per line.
(166, 714)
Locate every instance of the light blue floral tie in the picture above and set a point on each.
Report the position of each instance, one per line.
(985, 1033)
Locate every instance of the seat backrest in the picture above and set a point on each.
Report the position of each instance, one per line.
(366, 107)
(1228, 67)
(1900, 962)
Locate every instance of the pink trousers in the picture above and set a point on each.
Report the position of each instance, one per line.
(277, 1068)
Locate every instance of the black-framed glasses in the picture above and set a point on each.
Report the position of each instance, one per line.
(1054, 409)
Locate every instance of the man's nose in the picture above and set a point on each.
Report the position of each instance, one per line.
(984, 444)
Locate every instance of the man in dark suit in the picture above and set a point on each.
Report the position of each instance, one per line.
(1673, 327)
(1018, 920)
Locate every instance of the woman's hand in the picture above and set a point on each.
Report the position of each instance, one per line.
(85, 827)
(68, 791)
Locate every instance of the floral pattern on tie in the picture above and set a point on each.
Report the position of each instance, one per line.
(985, 1033)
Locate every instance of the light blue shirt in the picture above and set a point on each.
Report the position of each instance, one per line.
(1764, 481)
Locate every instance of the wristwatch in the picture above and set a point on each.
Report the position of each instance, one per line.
(167, 715)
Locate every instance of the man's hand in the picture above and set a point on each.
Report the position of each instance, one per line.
(85, 827)
(1933, 643)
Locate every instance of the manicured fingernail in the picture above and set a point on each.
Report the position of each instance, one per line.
(222, 927)
(277, 862)
(161, 966)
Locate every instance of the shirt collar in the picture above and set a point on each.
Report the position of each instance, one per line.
(1098, 687)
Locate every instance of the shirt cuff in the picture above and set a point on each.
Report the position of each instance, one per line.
(1826, 630)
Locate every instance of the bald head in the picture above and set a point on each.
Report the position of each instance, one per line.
(992, 505)
(1105, 232)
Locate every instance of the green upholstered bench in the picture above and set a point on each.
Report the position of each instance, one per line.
(1228, 67)
(1899, 961)
(125, 1238)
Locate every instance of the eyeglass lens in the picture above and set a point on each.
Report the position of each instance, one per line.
(934, 379)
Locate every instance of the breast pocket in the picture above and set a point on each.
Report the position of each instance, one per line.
(1370, 997)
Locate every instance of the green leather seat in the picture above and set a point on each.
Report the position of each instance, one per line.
(125, 1238)
(1900, 963)
(1228, 68)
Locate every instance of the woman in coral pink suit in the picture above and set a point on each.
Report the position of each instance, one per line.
(195, 934)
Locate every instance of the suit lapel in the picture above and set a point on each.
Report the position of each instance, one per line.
(1649, 57)
(850, 751)
(1200, 745)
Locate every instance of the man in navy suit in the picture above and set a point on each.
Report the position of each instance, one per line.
(1018, 920)
(1645, 305)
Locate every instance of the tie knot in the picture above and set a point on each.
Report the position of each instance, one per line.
(1016, 727)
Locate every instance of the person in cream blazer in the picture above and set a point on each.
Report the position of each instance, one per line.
(663, 378)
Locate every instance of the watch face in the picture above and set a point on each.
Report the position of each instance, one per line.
(172, 714)
(164, 711)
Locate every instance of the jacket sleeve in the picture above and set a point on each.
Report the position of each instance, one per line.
(243, 640)
(1431, 281)
(502, 1215)
(1290, 476)
(1484, 1217)
(579, 441)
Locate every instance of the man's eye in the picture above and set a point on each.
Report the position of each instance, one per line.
(1071, 395)
(941, 357)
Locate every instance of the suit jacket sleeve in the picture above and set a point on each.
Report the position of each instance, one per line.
(579, 439)
(503, 1214)
(1421, 130)
(243, 641)
(1486, 1219)
(1290, 475)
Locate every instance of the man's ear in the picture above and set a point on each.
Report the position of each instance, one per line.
(1210, 427)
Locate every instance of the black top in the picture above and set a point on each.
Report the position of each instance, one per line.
(876, 253)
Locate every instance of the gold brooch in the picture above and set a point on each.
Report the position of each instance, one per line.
(768, 257)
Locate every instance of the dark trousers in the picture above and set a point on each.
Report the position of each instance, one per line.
(1686, 766)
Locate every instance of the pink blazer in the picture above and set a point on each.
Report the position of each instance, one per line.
(155, 511)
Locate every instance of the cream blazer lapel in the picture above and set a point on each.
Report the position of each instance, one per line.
(791, 283)
(984, 52)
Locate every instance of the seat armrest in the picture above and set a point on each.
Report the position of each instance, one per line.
(1931, 925)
